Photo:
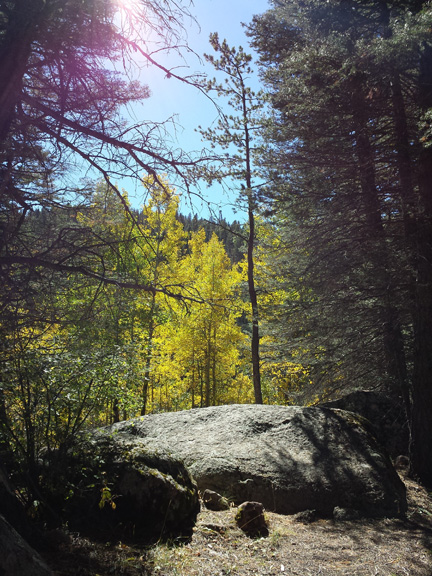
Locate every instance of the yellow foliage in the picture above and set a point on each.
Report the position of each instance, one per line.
(197, 352)
(286, 380)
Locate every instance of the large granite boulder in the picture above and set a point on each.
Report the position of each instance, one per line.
(288, 458)
(113, 486)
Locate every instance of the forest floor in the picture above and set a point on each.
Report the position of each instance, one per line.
(387, 547)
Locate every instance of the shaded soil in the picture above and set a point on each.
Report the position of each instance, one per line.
(388, 547)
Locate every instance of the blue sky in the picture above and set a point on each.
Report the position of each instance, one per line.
(170, 97)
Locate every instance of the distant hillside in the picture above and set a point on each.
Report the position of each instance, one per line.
(232, 234)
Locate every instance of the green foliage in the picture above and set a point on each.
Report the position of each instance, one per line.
(351, 173)
(332, 72)
(236, 133)
(107, 498)
(105, 353)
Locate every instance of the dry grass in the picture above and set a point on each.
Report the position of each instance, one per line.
(218, 548)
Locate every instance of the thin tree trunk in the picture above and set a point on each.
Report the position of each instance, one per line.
(147, 371)
(116, 411)
(207, 370)
(213, 369)
(255, 312)
(255, 344)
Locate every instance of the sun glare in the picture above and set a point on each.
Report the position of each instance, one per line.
(127, 5)
(129, 13)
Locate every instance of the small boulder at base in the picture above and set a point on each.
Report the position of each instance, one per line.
(250, 518)
(289, 458)
(214, 501)
(112, 486)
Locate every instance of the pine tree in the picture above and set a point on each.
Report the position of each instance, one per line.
(236, 132)
(348, 88)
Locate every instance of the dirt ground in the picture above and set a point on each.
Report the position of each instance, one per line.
(388, 547)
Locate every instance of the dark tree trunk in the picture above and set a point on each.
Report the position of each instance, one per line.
(421, 425)
(207, 360)
(116, 411)
(15, 51)
(145, 388)
(409, 203)
(393, 341)
(255, 344)
(255, 316)
(149, 352)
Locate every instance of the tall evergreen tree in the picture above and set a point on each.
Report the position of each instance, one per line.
(349, 158)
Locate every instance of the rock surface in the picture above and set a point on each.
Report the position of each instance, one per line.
(114, 486)
(288, 458)
(17, 558)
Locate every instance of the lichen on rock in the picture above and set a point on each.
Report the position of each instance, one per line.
(107, 484)
(290, 458)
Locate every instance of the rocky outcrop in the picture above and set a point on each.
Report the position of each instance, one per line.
(288, 458)
(113, 486)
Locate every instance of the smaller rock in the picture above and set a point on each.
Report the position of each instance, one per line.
(306, 516)
(402, 464)
(250, 518)
(212, 528)
(214, 501)
(345, 514)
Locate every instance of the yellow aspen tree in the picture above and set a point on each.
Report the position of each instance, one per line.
(161, 248)
(200, 348)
